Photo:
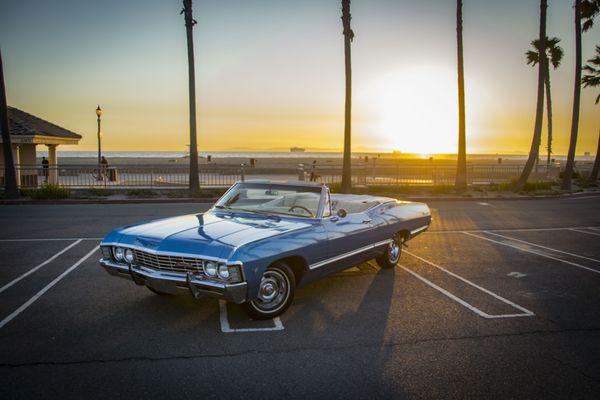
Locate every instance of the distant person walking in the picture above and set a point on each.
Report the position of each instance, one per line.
(104, 166)
(45, 168)
(313, 172)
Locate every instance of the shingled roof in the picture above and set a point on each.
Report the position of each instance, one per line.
(24, 124)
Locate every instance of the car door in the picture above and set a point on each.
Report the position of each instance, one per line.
(350, 241)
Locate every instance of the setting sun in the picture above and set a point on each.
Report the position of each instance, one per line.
(417, 110)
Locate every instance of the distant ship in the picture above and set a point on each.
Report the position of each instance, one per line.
(297, 150)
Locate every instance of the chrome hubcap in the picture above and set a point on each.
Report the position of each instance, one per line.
(394, 249)
(273, 291)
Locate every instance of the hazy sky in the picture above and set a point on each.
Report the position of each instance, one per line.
(270, 73)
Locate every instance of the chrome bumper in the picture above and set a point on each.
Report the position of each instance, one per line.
(173, 282)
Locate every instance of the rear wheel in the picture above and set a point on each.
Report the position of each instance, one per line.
(392, 254)
(275, 293)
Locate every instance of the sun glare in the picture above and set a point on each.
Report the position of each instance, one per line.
(418, 110)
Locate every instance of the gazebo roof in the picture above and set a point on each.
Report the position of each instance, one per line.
(24, 125)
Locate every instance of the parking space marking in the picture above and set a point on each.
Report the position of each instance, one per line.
(543, 247)
(31, 271)
(39, 294)
(525, 312)
(533, 252)
(510, 230)
(46, 239)
(226, 328)
(586, 232)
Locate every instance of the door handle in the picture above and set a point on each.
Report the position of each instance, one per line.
(367, 221)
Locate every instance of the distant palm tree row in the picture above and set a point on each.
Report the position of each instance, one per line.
(546, 52)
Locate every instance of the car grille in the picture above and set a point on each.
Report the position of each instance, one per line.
(168, 263)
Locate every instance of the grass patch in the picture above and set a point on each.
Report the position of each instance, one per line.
(529, 186)
(98, 192)
(141, 193)
(48, 192)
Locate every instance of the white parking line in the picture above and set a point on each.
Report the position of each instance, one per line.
(525, 312)
(46, 239)
(226, 328)
(39, 294)
(429, 232)
(31, 271)
(534, 252)
(586, 232)
(543, 247)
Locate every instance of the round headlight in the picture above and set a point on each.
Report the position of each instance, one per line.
(223, 271)
(118, 253)
(210, 269)
(128, 256)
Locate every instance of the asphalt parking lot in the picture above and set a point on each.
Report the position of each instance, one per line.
(497, 300)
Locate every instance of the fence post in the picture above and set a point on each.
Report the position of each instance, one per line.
(243, 172)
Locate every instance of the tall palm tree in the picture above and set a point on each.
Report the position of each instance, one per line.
(348, 37)
(461, 166)
(554, 55)
(11, 190)
(194, 184)
(539, 111)
(586, 11)
(592, 79)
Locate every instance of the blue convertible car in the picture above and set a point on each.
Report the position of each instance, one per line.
(260, 241)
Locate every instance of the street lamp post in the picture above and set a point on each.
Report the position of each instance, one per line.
(98, 114)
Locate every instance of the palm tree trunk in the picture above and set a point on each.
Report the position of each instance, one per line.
(549, 113)
(539, 112)
(348, 36)
(568, 174)
(461, 166)
(594, 175)
(194, 182)
(11, 191)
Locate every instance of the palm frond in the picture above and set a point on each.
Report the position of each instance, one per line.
(532, 57)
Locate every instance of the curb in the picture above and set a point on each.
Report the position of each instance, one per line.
(211, 200)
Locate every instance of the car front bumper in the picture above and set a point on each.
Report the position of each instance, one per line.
(173, 282)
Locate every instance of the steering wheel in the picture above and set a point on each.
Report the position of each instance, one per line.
(302, 208)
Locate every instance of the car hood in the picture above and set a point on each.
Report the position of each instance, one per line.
(212, 234)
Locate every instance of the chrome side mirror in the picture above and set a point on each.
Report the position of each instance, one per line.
(342, 213)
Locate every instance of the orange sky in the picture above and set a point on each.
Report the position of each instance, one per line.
(272, 78)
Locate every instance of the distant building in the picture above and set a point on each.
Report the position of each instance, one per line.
(587, 154)
(26, 133)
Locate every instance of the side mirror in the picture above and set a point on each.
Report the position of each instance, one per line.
(342, 213)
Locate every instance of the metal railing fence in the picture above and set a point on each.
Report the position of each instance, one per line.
(177, 176)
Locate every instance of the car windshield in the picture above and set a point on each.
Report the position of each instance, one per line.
(299, 201)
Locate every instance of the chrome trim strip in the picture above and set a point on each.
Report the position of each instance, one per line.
(415, 231)
(348, 254)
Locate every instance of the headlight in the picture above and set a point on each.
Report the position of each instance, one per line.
(118, 253)
(128, 256)
(223, 271)
(210, 269)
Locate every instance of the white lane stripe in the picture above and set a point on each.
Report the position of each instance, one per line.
(46, 239)
(476, 286)
(543, 247)
(31, 271)
(39, 294)
(461, 301)
(510, 230)
(586, 232)
(534, 252)
(226, 328)
(582, 198)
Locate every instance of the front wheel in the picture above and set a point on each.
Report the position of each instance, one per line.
(275, 293)
(392, 254)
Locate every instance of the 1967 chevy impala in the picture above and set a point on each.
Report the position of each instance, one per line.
(260, 241)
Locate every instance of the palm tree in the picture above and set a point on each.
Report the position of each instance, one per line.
(194, 185)
(554, 55)
(586, 11)
(461, 166)
(592, 79)
(348, 37)
(539, 111)
(11, 190)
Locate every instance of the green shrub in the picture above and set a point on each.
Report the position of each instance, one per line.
(144, 193)
(99, 192)
(49, 192)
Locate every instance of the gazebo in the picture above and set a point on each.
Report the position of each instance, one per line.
(26, 132)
